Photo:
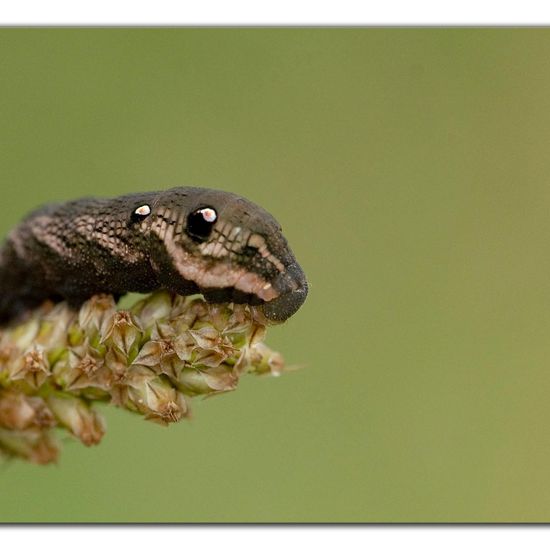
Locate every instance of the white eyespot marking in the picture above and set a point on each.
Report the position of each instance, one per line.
(143, 210)
(209, 214)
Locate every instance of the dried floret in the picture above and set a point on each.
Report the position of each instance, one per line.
(150, 359)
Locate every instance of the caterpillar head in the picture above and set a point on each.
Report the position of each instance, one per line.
(224, 246)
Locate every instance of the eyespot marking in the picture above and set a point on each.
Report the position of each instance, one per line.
(142, 211)
(201, 222)
(209, 214)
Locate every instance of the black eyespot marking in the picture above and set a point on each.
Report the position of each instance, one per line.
(200, 223)
(141, 212)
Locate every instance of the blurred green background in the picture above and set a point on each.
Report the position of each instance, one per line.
(410, 171)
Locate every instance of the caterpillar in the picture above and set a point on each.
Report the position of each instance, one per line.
(187, 240)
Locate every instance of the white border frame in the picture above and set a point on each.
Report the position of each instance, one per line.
(281, 12)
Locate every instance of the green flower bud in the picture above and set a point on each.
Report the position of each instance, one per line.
(77, 416)
(33, 445)
(33, 367)
(154, 396)
(122, 330)
(19, 411)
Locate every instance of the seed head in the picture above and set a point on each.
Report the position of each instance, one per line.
(150, 359)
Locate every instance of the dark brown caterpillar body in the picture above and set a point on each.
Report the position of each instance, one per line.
(187, 240)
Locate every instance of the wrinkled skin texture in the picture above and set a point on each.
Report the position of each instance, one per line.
(146, 241)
